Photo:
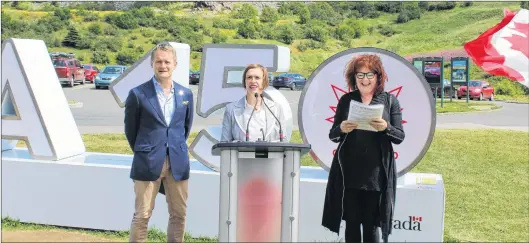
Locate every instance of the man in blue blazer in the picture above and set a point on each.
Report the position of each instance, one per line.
(158, 118)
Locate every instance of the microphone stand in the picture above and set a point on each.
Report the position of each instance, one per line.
(280, 129)
(249, 119)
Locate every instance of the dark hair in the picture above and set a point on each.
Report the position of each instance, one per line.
(252, 66)
(371, 62)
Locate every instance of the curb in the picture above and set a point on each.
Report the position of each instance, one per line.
(513, 102)
(76, 105)
(470, 112)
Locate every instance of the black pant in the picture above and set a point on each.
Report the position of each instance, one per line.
(361, 208)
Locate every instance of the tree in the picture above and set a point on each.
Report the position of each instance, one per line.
(246, 11)
(71, 38)
(524, 4)
(269, 15)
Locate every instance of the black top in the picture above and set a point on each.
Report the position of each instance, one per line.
(363, 161)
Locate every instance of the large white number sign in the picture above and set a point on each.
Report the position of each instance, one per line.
(215, 91)
(34, 106)
(327, 84)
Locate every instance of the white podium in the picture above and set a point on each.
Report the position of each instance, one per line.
(259, 191)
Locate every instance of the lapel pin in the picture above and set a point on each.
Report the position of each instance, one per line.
(181, 92)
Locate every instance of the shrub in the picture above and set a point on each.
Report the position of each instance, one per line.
(249, 29)
(85, 42)
(285, 34)
(95, 29)
(467, 4)
(126, 21)
(269, 15)
(317, 31)
(62, 13)
(304, 15)
(268, 31)
(291, 8)
(323, 11)
(224, 24)
(309, 44)
(524, 4)
(423, 5)
(388, 7)
(246, 11)
(100, 57)
(403, 18)
(126, 57)
(503, 86)
(91, 17)
(219, 37)
(147, 32)
(110, 30)
(386, 30)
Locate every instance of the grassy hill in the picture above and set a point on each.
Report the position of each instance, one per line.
(312, 33)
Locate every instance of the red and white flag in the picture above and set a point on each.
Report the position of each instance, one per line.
(503, 50)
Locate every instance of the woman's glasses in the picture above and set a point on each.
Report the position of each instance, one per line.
(369, 75)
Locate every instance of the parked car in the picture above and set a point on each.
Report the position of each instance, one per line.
(194, 77)
(109, 73)
(90, 72)
(479, 89)
(293, 81)
(447, 87)
(69, 70)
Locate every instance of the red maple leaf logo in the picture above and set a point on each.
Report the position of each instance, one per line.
(338, 92)
(519, 42)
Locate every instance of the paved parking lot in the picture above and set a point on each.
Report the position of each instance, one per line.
(101, 114)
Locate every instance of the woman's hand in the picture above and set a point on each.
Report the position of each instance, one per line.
(348, 126)
(379, 124)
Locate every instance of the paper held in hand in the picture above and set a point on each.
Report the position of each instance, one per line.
(362, 114)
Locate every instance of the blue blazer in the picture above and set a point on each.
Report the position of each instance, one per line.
(150, 137)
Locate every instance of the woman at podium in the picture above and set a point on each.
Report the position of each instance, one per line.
(362, 179)
(253, 117)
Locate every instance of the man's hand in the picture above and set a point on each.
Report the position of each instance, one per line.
(379, 124)
(348, 126)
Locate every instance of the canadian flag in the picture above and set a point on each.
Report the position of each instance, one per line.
(503, 50)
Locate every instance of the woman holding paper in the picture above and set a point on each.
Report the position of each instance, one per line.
(362, 179)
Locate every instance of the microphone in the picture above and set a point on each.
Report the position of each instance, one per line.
(263, 134)
(249, 119)
(280, 130)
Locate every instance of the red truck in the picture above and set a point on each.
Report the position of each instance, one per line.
(69, 70)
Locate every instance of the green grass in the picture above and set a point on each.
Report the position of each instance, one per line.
(519, 98)
(153, 235)
(486, 176)
(462, 106)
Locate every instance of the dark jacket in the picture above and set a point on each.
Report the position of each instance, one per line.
(150, 137)
(333, 207)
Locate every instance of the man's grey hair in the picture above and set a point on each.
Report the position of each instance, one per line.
(164, 46)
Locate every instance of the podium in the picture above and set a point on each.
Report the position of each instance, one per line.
(259, 191)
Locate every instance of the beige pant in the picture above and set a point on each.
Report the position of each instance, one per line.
(176, 196)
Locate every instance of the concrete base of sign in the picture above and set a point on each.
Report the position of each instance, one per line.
(93, 190)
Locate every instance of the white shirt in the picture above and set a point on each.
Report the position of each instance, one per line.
(257, 123)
